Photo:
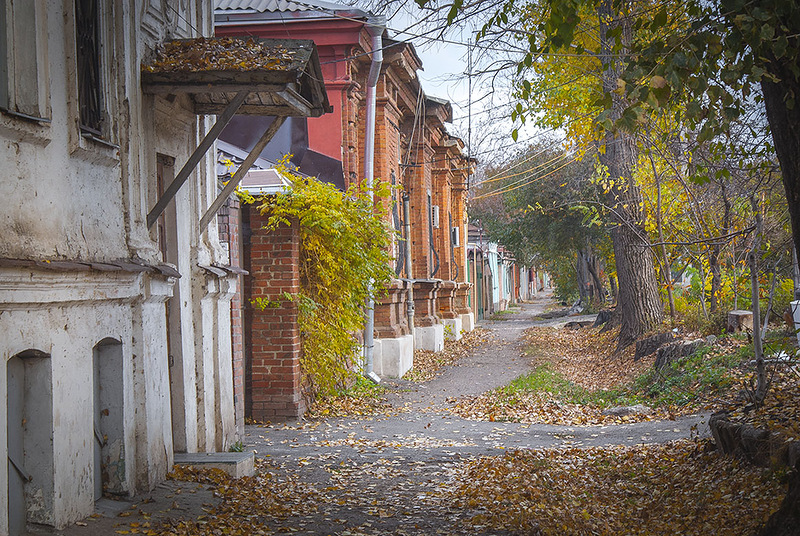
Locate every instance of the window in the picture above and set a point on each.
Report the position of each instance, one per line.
(23, 73)
(3, 57)
(87, 22)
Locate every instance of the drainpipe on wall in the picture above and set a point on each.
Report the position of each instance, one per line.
(407, 246)
(375, 27)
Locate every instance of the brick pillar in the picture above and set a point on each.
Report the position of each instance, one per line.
(445, 299)
(425, 313)
(460, 221)
(390, 312)
(420, 186)
(441, 179)
(462, 298)
(273, 344)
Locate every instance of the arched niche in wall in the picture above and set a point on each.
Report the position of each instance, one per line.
(29, 379)
(108, 423)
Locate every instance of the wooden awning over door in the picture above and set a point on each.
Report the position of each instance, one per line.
(227, 76)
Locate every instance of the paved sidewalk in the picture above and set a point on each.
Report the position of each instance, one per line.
(423, 423)
(382, 474)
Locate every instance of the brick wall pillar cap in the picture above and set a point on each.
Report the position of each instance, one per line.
(395, 284)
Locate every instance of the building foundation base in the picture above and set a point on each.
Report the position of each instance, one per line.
(452, 328)
(236, 464)
(467, 322)
(393, 357)
(429, 338)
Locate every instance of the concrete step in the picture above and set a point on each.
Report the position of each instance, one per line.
(236, 464)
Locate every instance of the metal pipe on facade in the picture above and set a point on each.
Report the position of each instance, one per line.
(407, 246)
(375, 26)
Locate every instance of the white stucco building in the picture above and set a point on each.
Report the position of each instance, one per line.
(115, 334)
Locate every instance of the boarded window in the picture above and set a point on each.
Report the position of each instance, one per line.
(87, 31)
(23, 76)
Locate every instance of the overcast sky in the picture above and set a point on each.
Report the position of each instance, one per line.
(445, 64)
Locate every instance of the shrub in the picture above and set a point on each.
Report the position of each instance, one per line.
(344, 257)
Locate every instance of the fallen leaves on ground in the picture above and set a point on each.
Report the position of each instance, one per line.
(247, 502)
(220, 54)
(585, 356)
(371, 401)
(780, 412)
(428, 364)
(648, 489)
(588, 375)
(541, 408)
(349, 404)
(328, 494)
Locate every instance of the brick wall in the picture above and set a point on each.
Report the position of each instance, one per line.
(441, 198)
(420, 181)
(459, 211)
(273, 348)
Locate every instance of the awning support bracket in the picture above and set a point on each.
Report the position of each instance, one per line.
(196, 156)
(241, 171)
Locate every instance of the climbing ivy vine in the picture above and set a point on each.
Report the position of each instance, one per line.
(344, 256)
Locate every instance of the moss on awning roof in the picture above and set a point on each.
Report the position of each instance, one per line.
(283, 75)
(229, 54)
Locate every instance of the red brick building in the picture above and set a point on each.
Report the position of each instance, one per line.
(413, 151)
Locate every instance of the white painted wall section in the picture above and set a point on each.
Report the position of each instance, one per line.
(429, 338)
(468, 322)
(452, 328)
(393, 357)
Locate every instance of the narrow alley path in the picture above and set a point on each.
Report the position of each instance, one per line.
(422, 421)
(381, 474)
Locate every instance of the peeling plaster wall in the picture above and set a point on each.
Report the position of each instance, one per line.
(72, 198)
(202, 394)
(82, 312)
(60, 199)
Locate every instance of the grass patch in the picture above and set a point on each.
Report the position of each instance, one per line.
(691, 381)
(544, 379)
(502, 315)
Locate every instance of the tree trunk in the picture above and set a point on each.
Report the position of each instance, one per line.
(599, 296)
(582, 275)
(784, 122)
(716, 277)
(639, 305)
(612, 281)
(666, 267)
(716, 250)
(758, 350)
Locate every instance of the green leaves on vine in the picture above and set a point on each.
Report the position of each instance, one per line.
(344, 246)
